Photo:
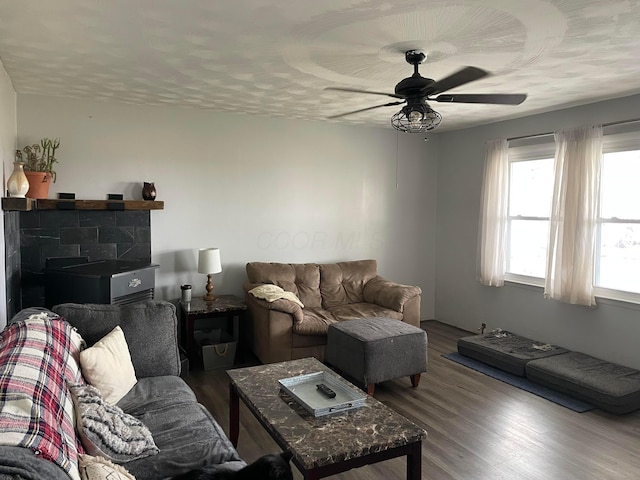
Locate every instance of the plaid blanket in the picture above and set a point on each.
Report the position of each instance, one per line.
(38, 358)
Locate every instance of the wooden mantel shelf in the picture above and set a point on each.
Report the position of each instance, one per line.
(27, 204)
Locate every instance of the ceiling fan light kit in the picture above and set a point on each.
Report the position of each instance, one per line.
(416, 119)
(417, 116)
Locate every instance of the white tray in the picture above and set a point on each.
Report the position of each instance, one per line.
(303, 389)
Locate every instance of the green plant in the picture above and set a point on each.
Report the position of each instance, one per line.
(40, 158)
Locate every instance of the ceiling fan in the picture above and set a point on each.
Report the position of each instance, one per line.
(414, 91)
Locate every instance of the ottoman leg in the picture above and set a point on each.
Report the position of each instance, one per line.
(371, 388)
(415, 380)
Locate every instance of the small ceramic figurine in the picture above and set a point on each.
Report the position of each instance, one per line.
(149, 191)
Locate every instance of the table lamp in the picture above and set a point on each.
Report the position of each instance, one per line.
(209, 263)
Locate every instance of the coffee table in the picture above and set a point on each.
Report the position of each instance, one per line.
(324, 445)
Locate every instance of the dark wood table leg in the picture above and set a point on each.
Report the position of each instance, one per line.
(414, 461)
(191, 351)
(234, 415)
(242, 341)
(311, 475)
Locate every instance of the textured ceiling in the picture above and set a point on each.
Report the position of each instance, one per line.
(268, 57)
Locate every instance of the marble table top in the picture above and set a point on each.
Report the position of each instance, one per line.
(222, 303)
(324, 440)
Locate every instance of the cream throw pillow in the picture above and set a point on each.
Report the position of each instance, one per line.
(107, 366)
(98, 468)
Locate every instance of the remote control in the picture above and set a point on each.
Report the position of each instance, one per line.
(326, 390)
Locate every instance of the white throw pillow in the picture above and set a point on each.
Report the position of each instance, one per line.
(98, 468)
(107, 366)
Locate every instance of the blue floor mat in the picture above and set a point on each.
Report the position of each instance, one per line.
(521, 383)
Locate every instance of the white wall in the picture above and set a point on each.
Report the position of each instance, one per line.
(8, 130)
(278, 190)
(610, 331)
(259, 189)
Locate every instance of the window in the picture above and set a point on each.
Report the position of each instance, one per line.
(618, 235)
(617, 266)
(530, 184)
(530, 192)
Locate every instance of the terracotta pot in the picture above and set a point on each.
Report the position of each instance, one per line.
(38, 184)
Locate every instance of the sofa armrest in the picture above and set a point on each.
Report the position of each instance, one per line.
(269, 332)
(281, 304)
(389, 294)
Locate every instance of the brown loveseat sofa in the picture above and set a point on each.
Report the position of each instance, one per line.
(282, 330)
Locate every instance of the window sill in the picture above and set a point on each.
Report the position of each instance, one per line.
(603, 295)
(618, 297)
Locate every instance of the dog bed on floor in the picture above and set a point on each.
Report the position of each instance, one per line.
(505, 350)
(611, 387)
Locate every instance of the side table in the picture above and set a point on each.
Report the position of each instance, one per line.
(227, 307)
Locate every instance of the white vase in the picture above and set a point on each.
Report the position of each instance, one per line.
(17, 184)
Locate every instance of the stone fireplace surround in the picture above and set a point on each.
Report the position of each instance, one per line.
(31, 237)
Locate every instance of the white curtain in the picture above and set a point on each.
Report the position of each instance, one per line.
(492, 228)
(574, 214)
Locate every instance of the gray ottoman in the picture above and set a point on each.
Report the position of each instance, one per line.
(374, 350)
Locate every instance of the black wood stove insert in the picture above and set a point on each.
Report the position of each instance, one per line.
(105, 281)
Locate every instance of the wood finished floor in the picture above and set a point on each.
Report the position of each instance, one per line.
(479, 428)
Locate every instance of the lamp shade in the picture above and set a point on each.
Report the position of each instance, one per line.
(209, 260)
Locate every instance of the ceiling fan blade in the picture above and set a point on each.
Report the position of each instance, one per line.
(355, 90)
(462, 76)
(495, 98)
(390, 104)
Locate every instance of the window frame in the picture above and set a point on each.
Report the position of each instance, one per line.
(540, 148)
(613, 143)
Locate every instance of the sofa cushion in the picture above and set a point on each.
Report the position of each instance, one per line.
(94, 321)
(505, 350)
(303, 279)
(611, 387)
(185, 432)
(355, 311)
(343, 283)
(315, 321)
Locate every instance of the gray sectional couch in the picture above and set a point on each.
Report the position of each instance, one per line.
(187, 436)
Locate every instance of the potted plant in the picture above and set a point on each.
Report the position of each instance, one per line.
(38, 166)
